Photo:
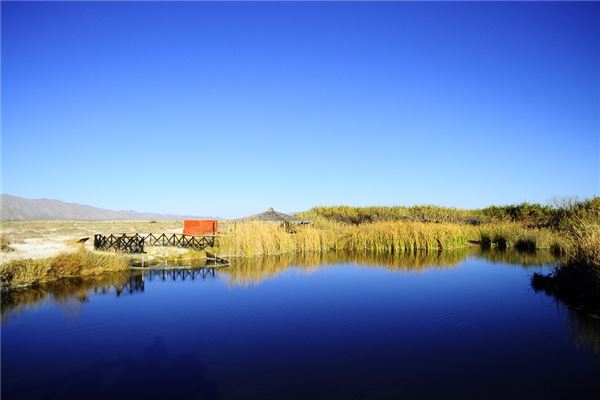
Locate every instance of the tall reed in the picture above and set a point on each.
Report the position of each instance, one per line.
(513, 235)
(263, 238)
(584, 240)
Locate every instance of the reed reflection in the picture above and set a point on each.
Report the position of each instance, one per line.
(252, 271)
(578, 291)
(66, 291)
(534, 258)
(246, 272)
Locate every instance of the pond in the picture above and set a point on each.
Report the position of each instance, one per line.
(447, 325)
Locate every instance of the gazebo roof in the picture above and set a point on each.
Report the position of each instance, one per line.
(270, 216)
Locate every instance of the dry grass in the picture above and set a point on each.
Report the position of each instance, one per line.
(79, 263)
(516, 236)
(403, 237)
(391, 237)
(584, 240)
(259, 238)
(263, 238)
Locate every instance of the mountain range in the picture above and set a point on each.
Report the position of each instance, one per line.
(13, 208)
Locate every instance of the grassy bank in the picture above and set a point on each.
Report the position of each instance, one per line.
(569, 227)
(259, 238)
(386, 237)
(78, 263)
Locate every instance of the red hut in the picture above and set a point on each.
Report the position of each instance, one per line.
(199, 227)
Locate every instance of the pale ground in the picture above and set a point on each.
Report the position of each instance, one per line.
(41, 239)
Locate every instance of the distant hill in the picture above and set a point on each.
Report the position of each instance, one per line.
(19, 208)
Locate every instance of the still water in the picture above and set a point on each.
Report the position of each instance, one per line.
(452, 325)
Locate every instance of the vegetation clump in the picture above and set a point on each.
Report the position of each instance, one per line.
(365, 215)
(554, 216)
(80, 263)
(584, 237)
(510, 235)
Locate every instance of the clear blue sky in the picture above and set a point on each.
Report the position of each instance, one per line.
(227, 109)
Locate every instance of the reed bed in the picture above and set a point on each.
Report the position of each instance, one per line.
(262, 238)
(255, 238)
(403, 237)
(389, 237)
(513, 235)
(79, 263)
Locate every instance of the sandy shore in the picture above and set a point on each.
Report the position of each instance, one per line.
(42, 239)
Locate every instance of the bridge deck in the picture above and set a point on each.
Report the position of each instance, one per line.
(135, 243)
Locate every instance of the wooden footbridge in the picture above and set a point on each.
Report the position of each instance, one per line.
(134, 243)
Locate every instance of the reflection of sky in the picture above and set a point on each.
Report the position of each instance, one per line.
(341, 329)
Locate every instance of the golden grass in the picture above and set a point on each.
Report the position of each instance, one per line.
(402, 237)
(516, 236)
(262, 238)
(78, 263)
(388, 237)
(584, 240)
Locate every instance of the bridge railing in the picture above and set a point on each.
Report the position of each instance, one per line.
(135, 243)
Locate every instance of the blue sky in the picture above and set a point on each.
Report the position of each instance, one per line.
(230, 108)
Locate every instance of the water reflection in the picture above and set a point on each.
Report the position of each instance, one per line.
(423, 325)
(175, 274)
(585, 330)
(255, 270)
(520, 258)
(577, 290)
(250, 271)
(67, 292)
(64, 291)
